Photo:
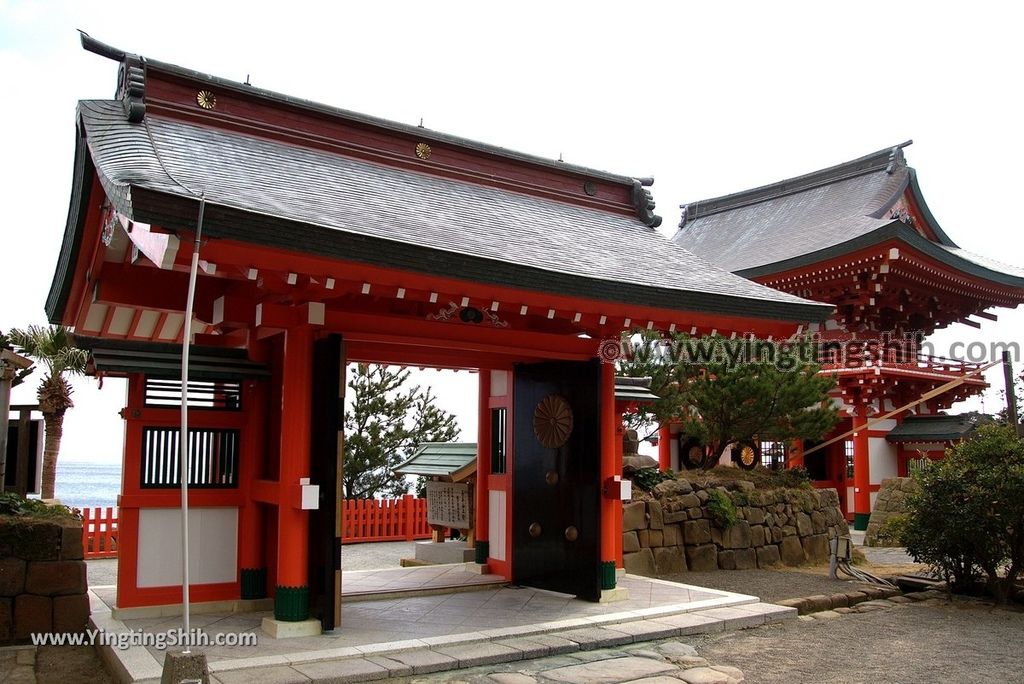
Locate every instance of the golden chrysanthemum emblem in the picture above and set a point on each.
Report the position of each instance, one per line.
(206, 99)
(552, 421)
(748, 456)
(423, 150)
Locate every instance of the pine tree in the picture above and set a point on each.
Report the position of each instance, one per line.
(384, 424)
(726, 391)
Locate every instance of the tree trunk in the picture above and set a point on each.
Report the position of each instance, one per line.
(54, 430)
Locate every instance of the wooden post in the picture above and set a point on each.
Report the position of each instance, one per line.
(1011, 394)
(291, 597)
(481, 518)
(664, 446)
(408, 511)
(861, 470)
(611, 507)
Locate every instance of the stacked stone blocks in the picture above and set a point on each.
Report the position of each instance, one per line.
(672, 531)
(42, 578)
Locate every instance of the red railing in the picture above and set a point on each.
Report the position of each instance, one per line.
(99, 532)
(368, 520)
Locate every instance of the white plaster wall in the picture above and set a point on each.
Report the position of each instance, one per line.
(496, 514)
(881, 459)
(212, 546)
(499, 383)
(887, 424)
(849, 498)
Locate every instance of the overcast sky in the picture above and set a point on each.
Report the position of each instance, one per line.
(708, 99)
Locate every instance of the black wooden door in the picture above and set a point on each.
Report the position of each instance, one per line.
(556, 523)
(325, 471)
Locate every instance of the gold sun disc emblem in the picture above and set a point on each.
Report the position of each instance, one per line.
(423, 151)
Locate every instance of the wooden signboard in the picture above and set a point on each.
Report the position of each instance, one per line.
(450, 504)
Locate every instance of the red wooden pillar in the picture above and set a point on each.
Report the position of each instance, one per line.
(611, 465)
(664, 446)
(861, 470)
(291, 596)
(128, 510)
(481, 544)
(251, 527)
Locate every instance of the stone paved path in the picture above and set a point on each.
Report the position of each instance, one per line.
(670, 661)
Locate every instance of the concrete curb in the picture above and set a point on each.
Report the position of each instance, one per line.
(821, 602)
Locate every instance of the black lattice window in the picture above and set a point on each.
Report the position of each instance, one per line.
(221, 395)
(213, 462)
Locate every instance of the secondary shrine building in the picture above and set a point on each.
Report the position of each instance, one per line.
(861, 237)
(331, 237)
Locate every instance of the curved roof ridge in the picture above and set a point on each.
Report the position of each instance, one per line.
(889, 159)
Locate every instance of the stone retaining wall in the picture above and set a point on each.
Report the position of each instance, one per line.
(891, 500)
(42, 578)
(674, 532)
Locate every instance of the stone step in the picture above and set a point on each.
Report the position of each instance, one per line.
(383, 661)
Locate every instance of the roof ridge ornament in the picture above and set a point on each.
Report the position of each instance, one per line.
(131, 77)
(896, 158)
(643, 201)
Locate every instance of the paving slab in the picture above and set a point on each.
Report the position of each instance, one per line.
(597, 637)
(352, 671)
(276, 674)
(611, 671)
(474, 655)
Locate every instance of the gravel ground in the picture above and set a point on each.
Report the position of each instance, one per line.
(768, 585)
(934, 641)
(375, 555)
(63, 665)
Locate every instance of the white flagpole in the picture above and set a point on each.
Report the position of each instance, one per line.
(184, 451)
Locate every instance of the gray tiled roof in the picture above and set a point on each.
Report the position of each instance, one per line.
(301, 198)
(937, 428)
(807, 219)
(438, 459)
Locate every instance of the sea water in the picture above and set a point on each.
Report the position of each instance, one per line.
(82, 484)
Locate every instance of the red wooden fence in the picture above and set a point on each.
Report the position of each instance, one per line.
(99, 532)
(368, 520)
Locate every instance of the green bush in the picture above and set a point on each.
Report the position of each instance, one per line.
(13, 504)
(722, 509)
(893, 531)
(967, 522)
(795, 477)
(647, 478)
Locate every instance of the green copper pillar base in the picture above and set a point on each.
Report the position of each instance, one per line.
(607, 575)
(254, 583)
(481, 551)
(291, 604)
(860, 521)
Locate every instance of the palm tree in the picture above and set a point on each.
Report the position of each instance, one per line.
(53, 347)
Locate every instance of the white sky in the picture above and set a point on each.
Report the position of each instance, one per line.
(709, 99)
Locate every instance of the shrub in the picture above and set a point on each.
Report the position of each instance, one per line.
(13, 504)
(647, 478)
(967, 521)
(722, 509)
(893, 531)
(795, 477)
